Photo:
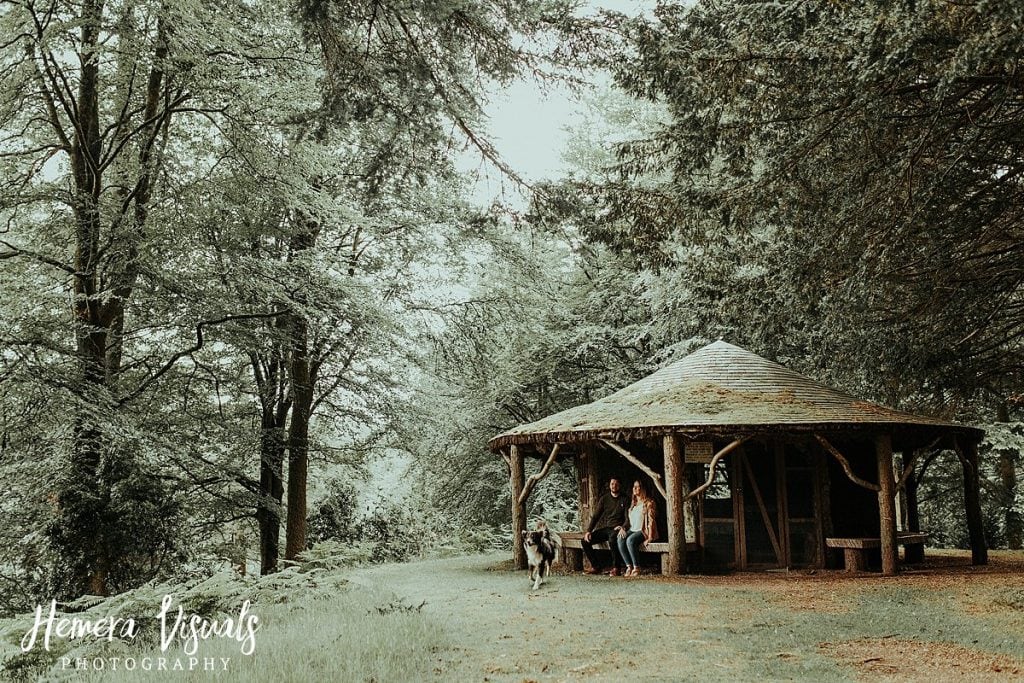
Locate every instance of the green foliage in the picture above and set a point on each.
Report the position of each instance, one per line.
(834, 187)
(335, 515)
(138, 512)
(190, 191)
(406, 530)
(861, 162)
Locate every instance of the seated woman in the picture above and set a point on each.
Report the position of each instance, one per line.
(640, 528)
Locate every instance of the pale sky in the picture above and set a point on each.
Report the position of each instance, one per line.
(529, 126)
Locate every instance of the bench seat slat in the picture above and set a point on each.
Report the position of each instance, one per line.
(574, 539)
(853, 548)
(909, 538)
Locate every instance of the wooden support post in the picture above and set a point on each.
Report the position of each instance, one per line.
(782, 503)
(689, 505)
(674, 482)
(693, 477)
(887, 504)
(901, 494)
(913, 514)
(822, 504)
(583, 502)
(914, 554)
(853, 560)
(592, 487)
(517, 478)
(968, 452)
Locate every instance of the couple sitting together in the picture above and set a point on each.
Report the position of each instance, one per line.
(625, 524)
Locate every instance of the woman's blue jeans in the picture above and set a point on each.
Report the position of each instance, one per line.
(629, 547)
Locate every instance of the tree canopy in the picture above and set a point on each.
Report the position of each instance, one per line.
(240, 266)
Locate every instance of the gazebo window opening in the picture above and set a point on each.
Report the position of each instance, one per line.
(718, 516)
(720, 490)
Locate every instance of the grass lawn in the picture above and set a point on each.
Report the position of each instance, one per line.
(946, 621)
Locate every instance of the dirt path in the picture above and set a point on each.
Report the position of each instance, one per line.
(575, 627)
(740, 627)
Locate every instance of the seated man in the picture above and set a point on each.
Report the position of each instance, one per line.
(608, 518)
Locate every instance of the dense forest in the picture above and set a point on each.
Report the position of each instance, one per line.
(241, 269)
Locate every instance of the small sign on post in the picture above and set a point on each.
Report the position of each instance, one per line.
(699, 452)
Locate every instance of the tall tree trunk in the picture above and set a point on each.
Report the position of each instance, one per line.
(83, 495)
(967, 451)
(298, 437)
(274, 408)
(272, 383)
(303, 381)
(98, 308)
(268, 514)
(517, 479)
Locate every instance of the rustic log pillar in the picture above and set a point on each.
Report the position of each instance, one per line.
(582, 502)
(887, 504)
(691, 513)
(517, 477)
(592, 487)
(689, 506)
(675, 481)
(901, 494)
(822, 507)
(968, 452)
(853, 560)
(914, 554)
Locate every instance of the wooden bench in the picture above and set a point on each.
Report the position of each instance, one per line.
(854, 549)
(572, 549)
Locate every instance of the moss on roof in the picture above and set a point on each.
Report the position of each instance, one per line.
(718, 387)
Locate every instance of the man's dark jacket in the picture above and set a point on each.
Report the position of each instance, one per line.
(609, 513)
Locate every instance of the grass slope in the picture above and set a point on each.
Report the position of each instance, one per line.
(472, 619)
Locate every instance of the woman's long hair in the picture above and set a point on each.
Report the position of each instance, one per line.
(643, 497)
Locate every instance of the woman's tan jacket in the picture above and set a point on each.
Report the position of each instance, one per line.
(650, 525)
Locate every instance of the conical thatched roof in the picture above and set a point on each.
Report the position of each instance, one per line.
(720, 388)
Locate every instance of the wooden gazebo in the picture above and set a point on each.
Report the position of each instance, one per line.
(755, 465)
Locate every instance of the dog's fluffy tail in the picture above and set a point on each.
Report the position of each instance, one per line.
(553, 537)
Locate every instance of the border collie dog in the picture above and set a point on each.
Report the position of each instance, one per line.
(540, 553)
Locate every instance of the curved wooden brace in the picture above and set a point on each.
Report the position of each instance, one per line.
(636, 461)
(712, 471)
(846, 465)
(532, 481)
